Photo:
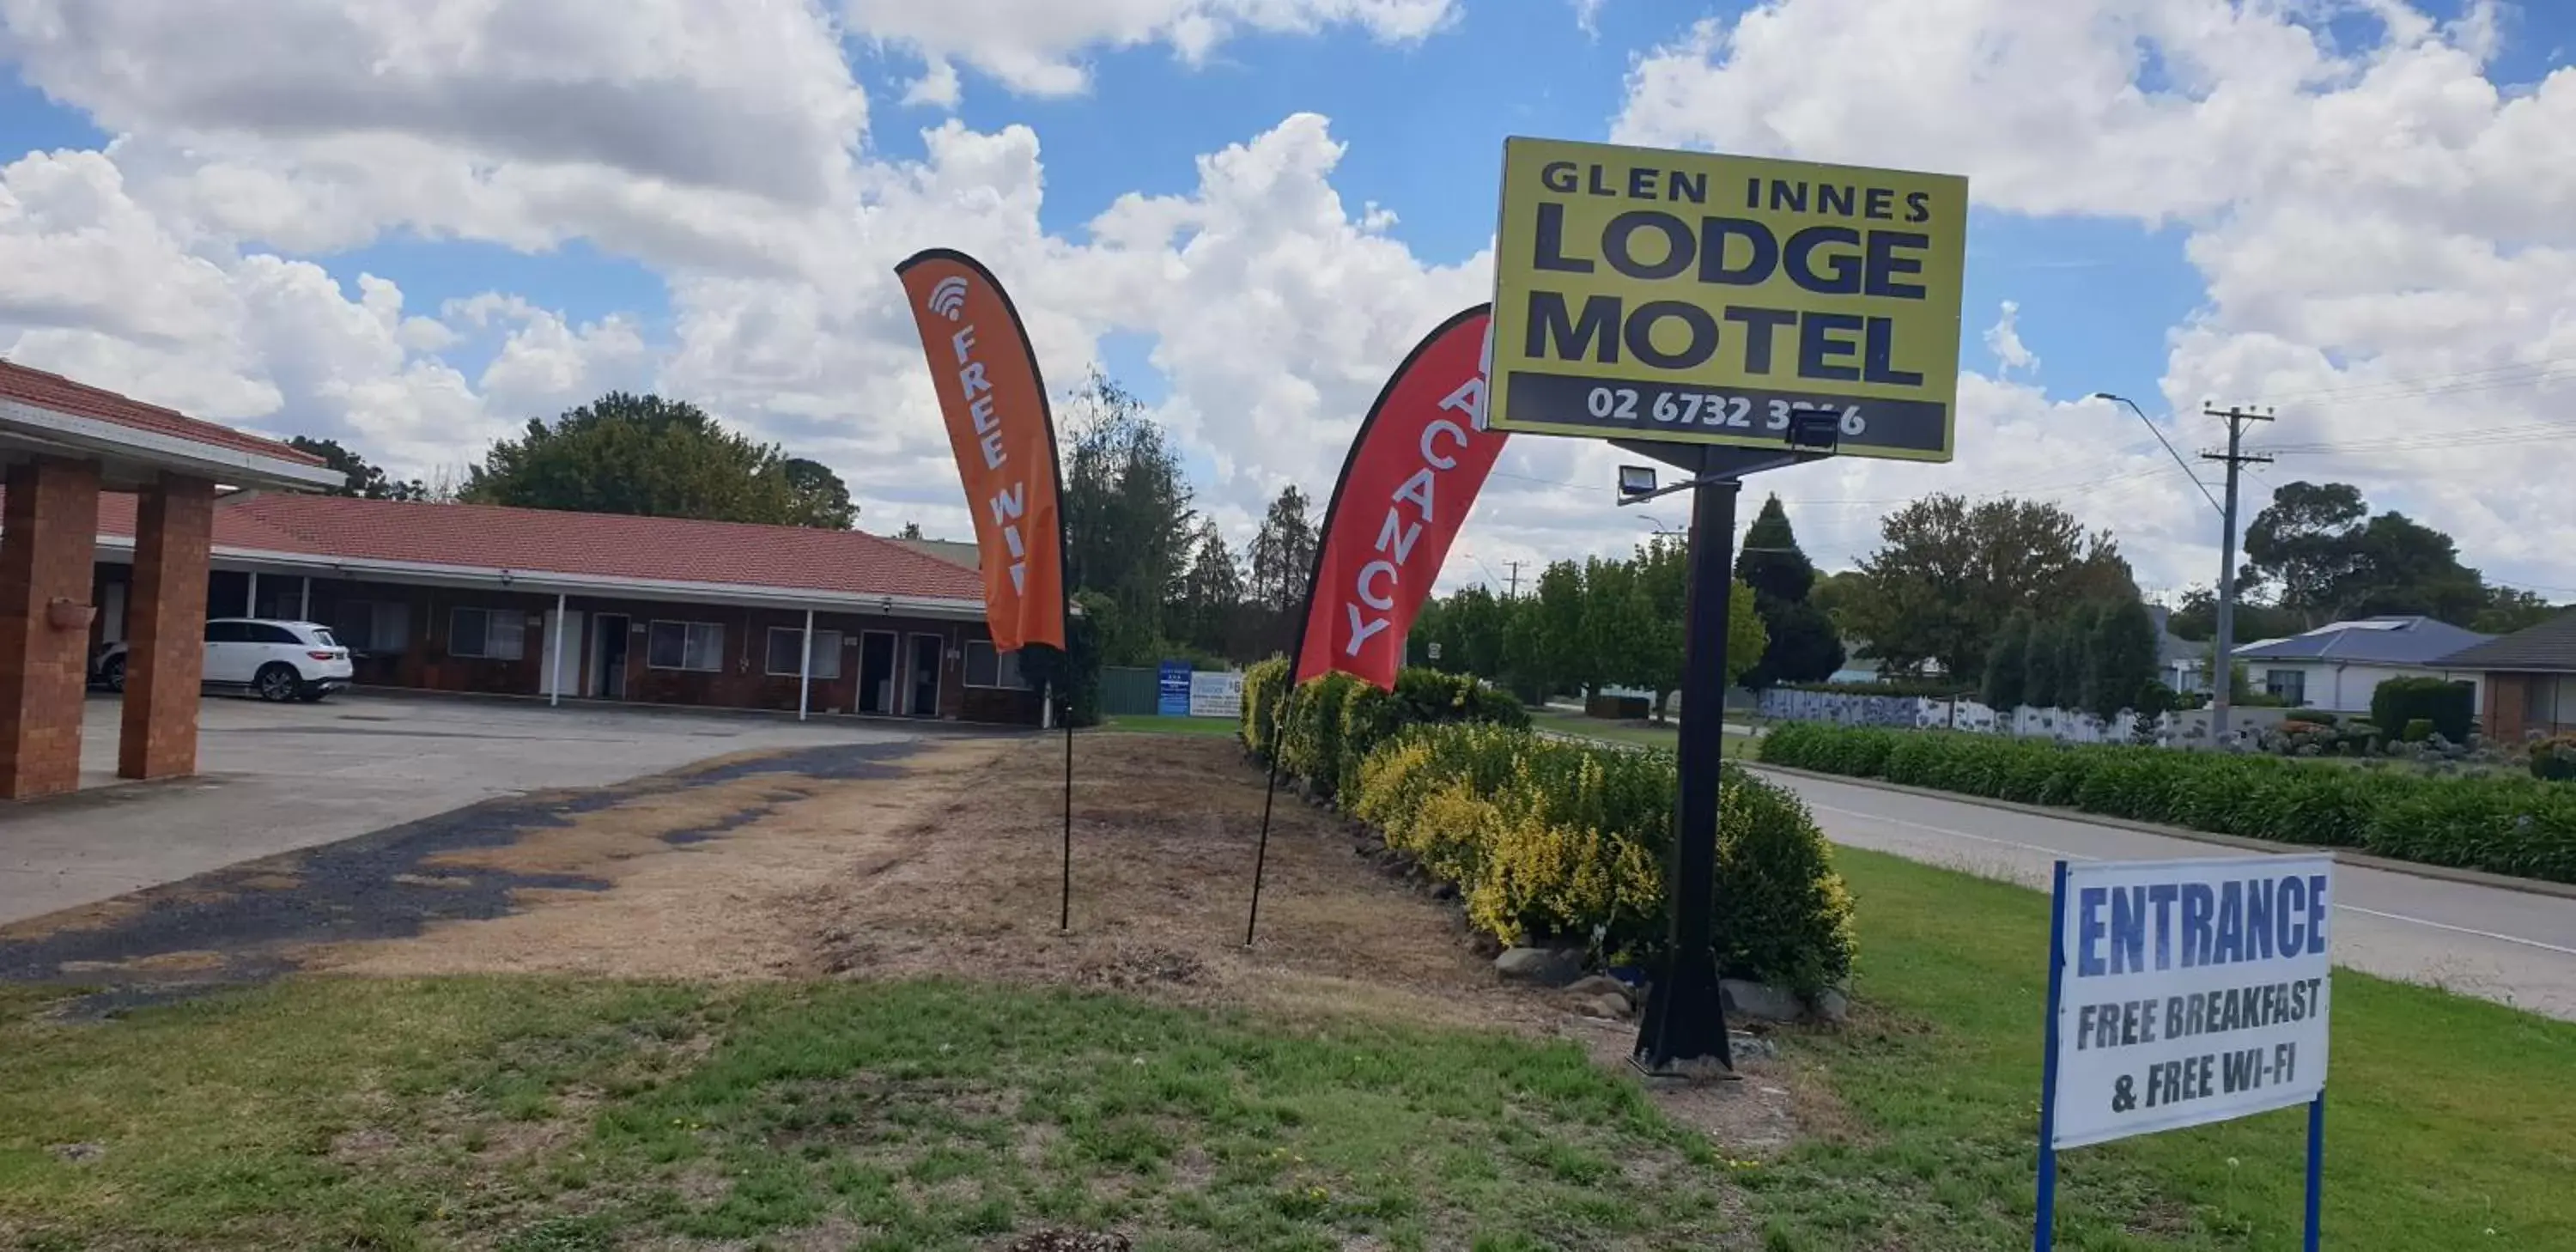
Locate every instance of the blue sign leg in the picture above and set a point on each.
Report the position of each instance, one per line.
(2044, 1226)
(2316, 1167)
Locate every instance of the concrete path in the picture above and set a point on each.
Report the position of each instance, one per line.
(280, 777)
(2508, 946)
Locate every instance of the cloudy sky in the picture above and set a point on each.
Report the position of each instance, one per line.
(412, 224)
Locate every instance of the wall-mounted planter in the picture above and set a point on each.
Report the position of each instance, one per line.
(70, 614)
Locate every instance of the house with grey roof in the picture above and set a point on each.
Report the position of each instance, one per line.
(2529, 677)
(2180, 663)
(2337, 666)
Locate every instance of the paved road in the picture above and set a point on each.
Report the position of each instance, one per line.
(2508, 946)
(277, 777)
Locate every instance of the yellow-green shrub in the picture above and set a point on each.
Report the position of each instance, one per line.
(1262, 686)
(1549, 840)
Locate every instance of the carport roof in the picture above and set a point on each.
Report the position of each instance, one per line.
(596, 551)
(49, 414)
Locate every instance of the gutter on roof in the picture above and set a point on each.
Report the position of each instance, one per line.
(587, 584)
(232, 465)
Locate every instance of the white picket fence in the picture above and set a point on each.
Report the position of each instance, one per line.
(2185, 729)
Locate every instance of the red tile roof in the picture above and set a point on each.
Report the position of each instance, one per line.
(596, 545)
(62, 395)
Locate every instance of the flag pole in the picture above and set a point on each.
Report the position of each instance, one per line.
(1314, 575)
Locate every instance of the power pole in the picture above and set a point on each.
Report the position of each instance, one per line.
(1514, 591)
(2222, 676)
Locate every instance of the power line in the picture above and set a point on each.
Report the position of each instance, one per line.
(2516, 374)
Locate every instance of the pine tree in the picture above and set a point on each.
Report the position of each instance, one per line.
(1803, 644)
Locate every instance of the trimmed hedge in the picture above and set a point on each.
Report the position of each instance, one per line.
(2447, 708)
(2504, 825)
(1552, 840)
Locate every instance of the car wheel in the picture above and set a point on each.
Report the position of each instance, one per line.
(113, 674)
(276, 682)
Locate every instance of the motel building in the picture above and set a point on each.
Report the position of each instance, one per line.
(124, 522)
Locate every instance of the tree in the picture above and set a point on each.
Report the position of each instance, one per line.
(1616, 614)
(2510, 609)
(1836, 593)
(1127, 516)
(2302, 542)
(1803, 644)
(1745, 635)
(651, 457)
(1663, 576)
(2403, 568)
(2041, 685)
(911, 530)
(2196, 618)
(1211, 593)
(2332, 561)
(1525, 656)
(360, 480)
(821, 494)
(2005, 665)
(1770, 562)
(1283, 552)
(2121, 660)
(1948, 573)
(1477, 620)
(1568, 660)
(2075, 673)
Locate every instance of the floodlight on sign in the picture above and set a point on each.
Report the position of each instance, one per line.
(1635, 481)
(1815, 430)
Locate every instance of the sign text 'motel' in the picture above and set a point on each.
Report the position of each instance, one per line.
(1714, 299)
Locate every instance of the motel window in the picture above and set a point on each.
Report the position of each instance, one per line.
(986, 667)
(782, 652)
(686, 645)
(2290, 686)
(492, 634)
(373, 625)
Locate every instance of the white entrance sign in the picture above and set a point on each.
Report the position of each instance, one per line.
(2187, 992)
(1216, 695)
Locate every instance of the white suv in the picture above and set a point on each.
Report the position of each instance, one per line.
(271, 659)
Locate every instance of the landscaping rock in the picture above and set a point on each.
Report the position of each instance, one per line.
(1601, 985)
(1746, 1047)
(1833, 1006)
(1760, 1001)
(1548, 967)
(1610, 1004)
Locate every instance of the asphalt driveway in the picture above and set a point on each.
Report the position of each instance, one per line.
(275, 778)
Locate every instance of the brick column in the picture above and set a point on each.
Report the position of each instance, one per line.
(165, 628)
(48, 544)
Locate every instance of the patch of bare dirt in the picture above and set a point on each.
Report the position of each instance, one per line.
(953, 868)
(743, 901)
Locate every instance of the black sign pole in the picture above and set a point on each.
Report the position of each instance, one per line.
(1685, 1021)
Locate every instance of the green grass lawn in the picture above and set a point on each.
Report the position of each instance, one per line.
(2447, 1118)
(540, 1115)
(1150, 725)
(555, 1116)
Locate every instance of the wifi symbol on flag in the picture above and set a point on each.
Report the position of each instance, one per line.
(948, 299)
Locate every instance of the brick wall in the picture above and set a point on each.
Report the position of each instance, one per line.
(165, 629)
(52, 529)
